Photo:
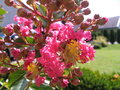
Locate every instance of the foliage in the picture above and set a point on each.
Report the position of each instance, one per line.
(118, 34)
(112, 38)
(2, 12)
(99, 42)
(96, 81)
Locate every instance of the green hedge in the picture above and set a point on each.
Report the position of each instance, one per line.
(96, 81)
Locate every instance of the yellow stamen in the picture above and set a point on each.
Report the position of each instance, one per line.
(71, 52)
(32, 68)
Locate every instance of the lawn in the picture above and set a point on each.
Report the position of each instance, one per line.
(107, 60)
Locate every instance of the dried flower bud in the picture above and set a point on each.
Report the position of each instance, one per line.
(78, 18)
(102, 21)
(86, 11)
(22, 12)
(84, 25)
(75, 82)
(84, 4)
(9, 2)
(96, 16)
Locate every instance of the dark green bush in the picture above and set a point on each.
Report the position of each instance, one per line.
(100, 42)
(96, 81)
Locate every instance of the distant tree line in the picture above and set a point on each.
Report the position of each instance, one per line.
(112, 35)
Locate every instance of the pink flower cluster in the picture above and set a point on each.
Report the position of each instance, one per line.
(25, 25)
(52, 53)
(58, 51)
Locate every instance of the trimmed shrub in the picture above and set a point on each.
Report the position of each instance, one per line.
(96, 81)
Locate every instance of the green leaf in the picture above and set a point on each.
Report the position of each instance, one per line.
(58, 14)
(19, 40)
(15, 77)
(42, 87)
(0, 37)
(44, 22)
(42, 9)
(20, 85)
(2, 11)
(30, 40)
(37, 54)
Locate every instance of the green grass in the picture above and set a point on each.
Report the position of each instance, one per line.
(107, 60)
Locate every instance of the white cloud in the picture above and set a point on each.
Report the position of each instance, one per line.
(106, 8)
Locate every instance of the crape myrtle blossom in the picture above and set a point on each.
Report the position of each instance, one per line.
(25, 25)
(55, 58)
(63, 49)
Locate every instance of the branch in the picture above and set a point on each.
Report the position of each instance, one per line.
(36, 12)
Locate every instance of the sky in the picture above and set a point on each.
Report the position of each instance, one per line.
(106, 8)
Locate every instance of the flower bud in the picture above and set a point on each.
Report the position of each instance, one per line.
(1, 41)
(44, 1)
(39, 38)
(29, 15)
(16, 53)
(3, 70)
(22, 12)
(78, 18)
(2, 47)
(38, 46)
(8, 30)
(102, 21)
(84, 25)
(9, 2)
(75, 82)
(96, 16)
(16, 28)
(24, 52)
(84, 4)
(70, 5)
(64, 82)
(7, 39)
(76, 72)
(53, 5)
(3, 55)
(86, 11)
(89, 20)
